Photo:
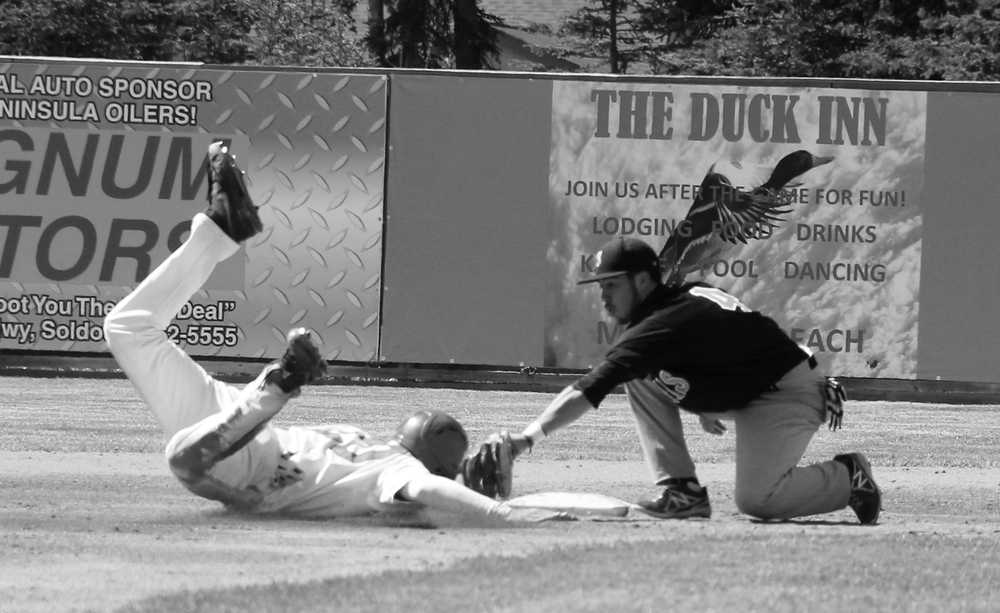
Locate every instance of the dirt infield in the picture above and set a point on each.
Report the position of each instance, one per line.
(92, 520)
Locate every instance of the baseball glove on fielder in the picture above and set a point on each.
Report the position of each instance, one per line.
(489, 470)
(834, 397)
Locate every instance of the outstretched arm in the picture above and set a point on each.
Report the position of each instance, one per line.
(488, 470)
(442, 494)
(568, 406)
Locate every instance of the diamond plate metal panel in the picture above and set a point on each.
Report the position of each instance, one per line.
(313, 145)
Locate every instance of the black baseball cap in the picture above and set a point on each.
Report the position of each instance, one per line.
(621, 256)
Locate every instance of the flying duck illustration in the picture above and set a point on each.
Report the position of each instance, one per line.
(723, 214)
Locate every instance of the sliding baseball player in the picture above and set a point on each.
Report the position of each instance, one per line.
(222, 445)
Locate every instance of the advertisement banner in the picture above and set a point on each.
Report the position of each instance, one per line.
(837, 260)
(102, 167)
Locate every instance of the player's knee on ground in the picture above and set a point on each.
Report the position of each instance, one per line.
(759, 505)
(190, 459)
(185, 463)
(191, 464)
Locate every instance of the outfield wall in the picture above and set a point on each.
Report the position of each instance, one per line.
(429, 217)
(101, 182)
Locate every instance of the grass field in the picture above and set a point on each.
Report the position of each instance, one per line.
(91, 520)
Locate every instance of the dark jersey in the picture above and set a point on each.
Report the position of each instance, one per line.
(706, 350)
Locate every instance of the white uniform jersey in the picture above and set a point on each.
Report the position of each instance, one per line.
(319, 471)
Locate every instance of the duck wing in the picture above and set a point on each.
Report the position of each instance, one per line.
(724, 213)
(743, 216)
(694, 240)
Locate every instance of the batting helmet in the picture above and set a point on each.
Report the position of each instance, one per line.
(436, 439)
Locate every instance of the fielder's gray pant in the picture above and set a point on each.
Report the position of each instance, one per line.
(772, 433)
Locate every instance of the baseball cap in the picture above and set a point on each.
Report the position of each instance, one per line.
(621, 256)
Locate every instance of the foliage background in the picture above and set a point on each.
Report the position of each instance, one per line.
(884, 39)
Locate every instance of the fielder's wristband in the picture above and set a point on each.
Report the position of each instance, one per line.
(534, 434)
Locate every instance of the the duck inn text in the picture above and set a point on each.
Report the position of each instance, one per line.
(738, 116)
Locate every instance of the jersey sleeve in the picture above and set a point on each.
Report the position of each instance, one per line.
(636, 355)
(395, 474)
(599, 382)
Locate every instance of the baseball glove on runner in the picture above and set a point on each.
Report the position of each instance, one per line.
(489, 470)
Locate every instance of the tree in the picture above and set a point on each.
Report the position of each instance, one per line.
(305, 33)
(607, 29)
(206, 30)
(790, 37)
(676, 23)
(376, 39)
(960, 41)
(673, 26)
(475, 36)
(630, 33)
(72, 28)
(419, 31)
(147, 30)
(935, 39)
(213, 31)
(432, 34)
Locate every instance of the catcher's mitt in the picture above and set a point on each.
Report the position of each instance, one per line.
(489, 470)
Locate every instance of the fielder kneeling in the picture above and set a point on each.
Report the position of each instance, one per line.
(221, 443)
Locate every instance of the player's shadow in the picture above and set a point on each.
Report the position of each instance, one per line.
(415, 518)
(805, 522)
(389, 519)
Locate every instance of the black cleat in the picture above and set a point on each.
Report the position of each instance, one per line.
(679, 501)
(229, 202)
(866, 497)
(300, 365)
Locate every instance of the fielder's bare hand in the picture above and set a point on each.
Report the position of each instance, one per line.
(519, 444)
(712, 426)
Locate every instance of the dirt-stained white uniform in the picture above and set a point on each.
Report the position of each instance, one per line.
(323, 471)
